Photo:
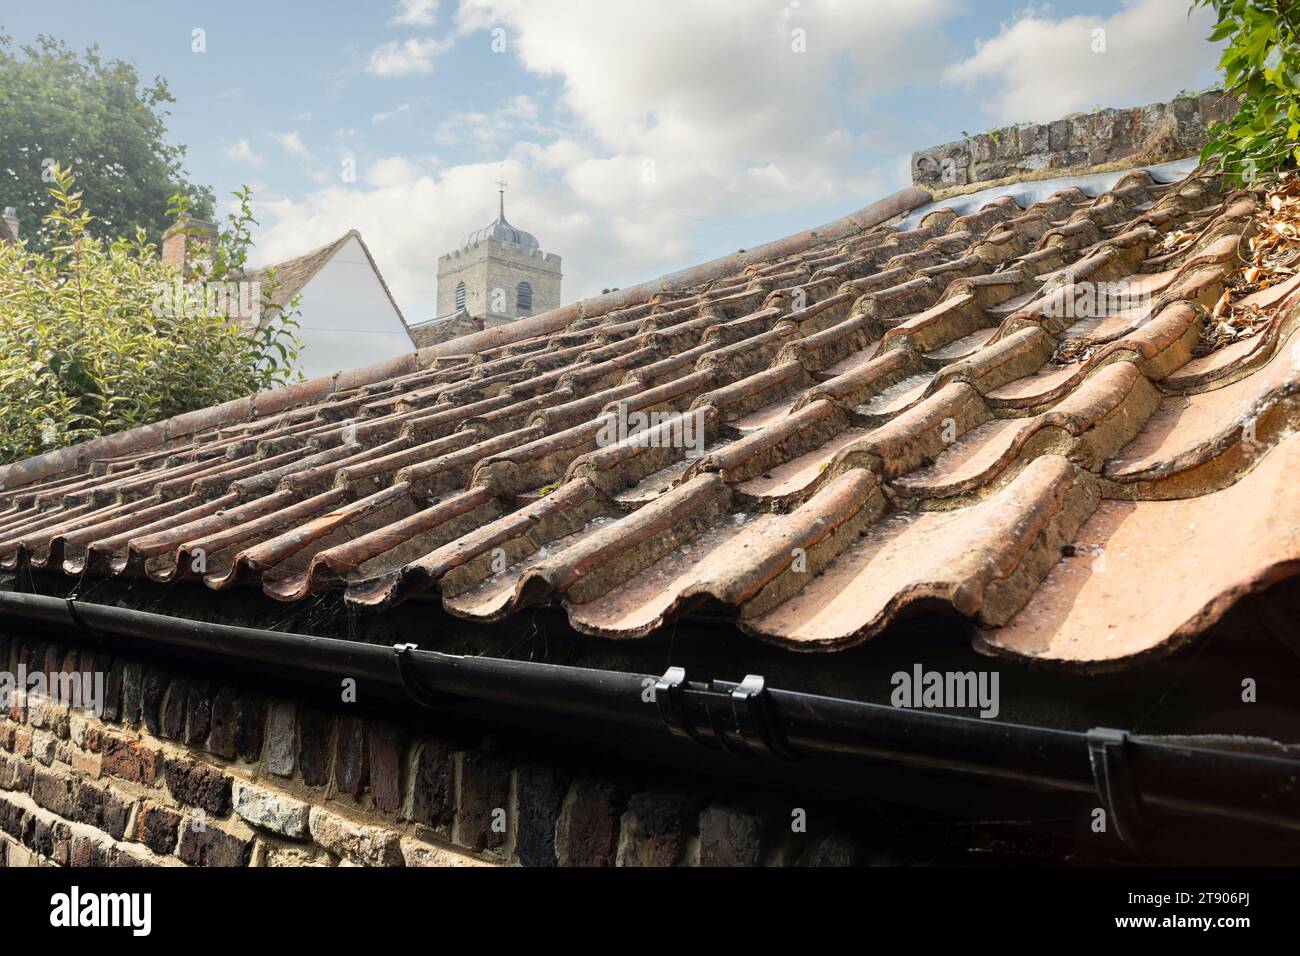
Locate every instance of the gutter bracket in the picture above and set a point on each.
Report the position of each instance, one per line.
(73, 613)
(747, 704)
(670, 699)
(421, 695)
(752, 706)
(1112, 775)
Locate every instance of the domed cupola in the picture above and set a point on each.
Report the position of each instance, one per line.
(502, 231)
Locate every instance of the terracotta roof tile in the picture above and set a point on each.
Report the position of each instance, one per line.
(883, 419)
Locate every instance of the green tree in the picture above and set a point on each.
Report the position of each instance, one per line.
(98, 119)
(1261, 66)
(100, 336)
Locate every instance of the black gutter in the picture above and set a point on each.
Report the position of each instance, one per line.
(1128, 775)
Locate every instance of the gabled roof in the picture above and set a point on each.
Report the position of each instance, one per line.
(292, 275)
(892, 420)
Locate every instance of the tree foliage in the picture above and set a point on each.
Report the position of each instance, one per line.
(96, 340)
(1261, 66)
(97, 118)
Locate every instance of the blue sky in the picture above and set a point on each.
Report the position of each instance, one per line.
(636, 137)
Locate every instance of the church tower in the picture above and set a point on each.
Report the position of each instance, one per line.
(499, 274)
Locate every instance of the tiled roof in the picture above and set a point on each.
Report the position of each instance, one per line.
(292, 275)
(444, 328)
(892, 420)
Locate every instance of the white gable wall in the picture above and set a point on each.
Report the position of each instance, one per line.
(347, 318)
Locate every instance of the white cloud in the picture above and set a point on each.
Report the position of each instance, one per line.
(243, 153)
(415, 13)
(292, 144)
(514, 118)
(718, 97)
(382, 117)
(392, 171)
(1040, 69)
(405, 57)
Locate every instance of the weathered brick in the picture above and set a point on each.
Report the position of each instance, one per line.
(730, 837)
(151, 698)
(38, 706)
(130, 760)
(13, 818)
(122, 858)
(77, 730)
(198, 785)
(52, 789)
(18, 774)
(315, 731)
(88, 805)
(83, 761)
(43, 744)
(157, 826)
(132, 693)
(359, 843)
(116, 813)
(430, 799)
(173, 710)
(112, 671)
(250, 726)
(351, 756)
(198, 712)
(269, 810)
(8, 771)
(484, 796)
(206, 845)
(91, 850)
(424, 854)
(655, 828)
(281, 743)
(539, 794)
(387, 745)
(586, 833)
(52, 662)
(222, 739)
(280, 855)
(51, 839)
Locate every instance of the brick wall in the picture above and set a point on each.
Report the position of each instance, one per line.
(1143, 135)
(185, 771)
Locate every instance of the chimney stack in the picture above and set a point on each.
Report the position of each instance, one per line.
(11, 221)
(202, 236)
